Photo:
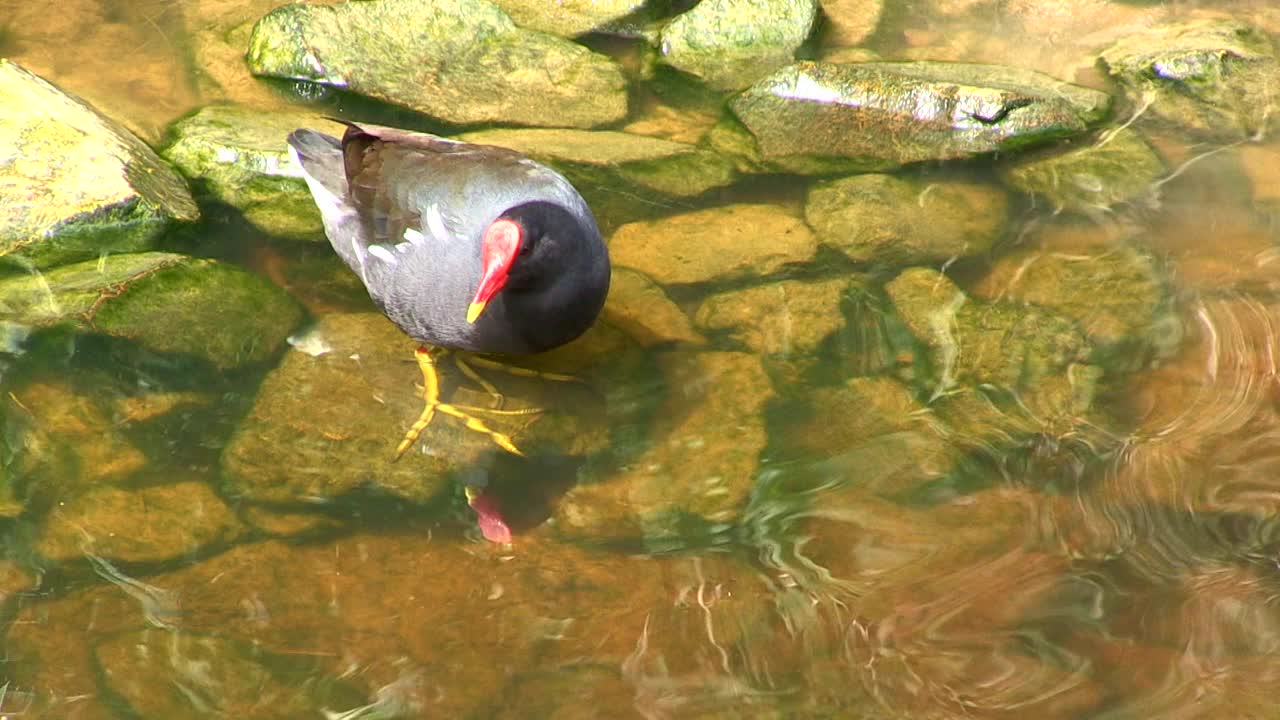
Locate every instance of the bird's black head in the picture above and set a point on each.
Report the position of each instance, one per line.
(550, 266)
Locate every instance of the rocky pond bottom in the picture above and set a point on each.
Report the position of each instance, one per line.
(938, 376)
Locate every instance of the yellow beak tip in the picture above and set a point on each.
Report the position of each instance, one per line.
(474, 310)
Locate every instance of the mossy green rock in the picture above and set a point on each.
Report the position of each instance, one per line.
(731, 43)
(568, 18)
(619, 174)
(460, 61)
(76, 184)
(1039, 359)
(1220, 78)
(239, 157)
(166, 303)
(148, 525)
(327, 420)
(888, 220)
(1118, 168)
(821, 117)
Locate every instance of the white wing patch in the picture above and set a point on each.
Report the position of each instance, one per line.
(435, 223)
(414, 236)
(383, 254)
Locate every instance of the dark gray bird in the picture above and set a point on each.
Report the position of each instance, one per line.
(463, 246)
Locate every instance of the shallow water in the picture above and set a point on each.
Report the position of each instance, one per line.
(1118, 564)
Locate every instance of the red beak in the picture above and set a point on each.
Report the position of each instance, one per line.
(498, 250)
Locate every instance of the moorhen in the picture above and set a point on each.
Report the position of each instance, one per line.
(463, 246)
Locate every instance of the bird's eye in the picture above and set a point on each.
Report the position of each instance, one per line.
(527, 246)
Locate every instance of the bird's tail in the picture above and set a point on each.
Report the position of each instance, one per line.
(320, 158)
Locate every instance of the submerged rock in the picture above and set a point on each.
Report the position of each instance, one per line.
(166, 303)
(888, 220)
(731, 43)
(873, 424)
(1118, 168)
(162, 673)
(460, 61)
(700, 469)
(568, 18)
(1116, 292)
(1037, 358)
(729, 242)
(76, 183)
(613, 169)
(148, 525)
(640, 308)
(1220, 78)
(328, 419)
(850, 22)
(239, 157)
(789, 318)
(56, 441)
(823, 117)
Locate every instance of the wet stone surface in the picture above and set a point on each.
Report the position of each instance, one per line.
(889, 220)
(77, 183)
(238, 156)
(404, 52)
(1219, 78)
(821, 117)
(731, 43)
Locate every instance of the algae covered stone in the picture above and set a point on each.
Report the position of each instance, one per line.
(734, 241)
(166, 303)
(460, 61)
(239, 157)
(1219, 78)
(731, 43)
(889, 220)
(872, 116)
(76, 184)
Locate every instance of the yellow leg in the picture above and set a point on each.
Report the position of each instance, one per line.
(431, 401)
(430, 396)
(519, 371)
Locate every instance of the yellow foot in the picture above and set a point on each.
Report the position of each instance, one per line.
(432, 404)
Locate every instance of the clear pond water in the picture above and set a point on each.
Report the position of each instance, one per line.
(901, 549)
